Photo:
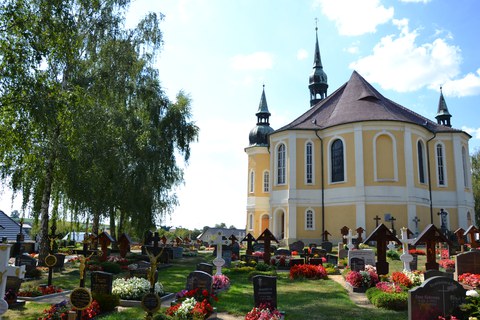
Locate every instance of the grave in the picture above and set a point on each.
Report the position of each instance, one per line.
(124, 243)
(199, 280)
(297, 246)
(101, 282)
(205, 267)
(468, 262)
(315, 261)
(357, 264)
(406, 257)
(318, 252)
(27, 261)
(327, 246)
(250, 240)
(105, 240)
(342, 252)
(381, 235)
(6, 271)
(265, 291)
(436, 273)
(431, 236)
(267, 237)
(437, 296)
(471, 232)
(333, 259)
(227, 256)
(414, 262)
(360, 231)
(344, 232)
(283, 252)
(296, 261)
(366, 255)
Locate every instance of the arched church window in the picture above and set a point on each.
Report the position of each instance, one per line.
(266, 181)
(337, 161)
(309, 162)
(421, 162)
(465, 168)
(440, 165)
(281, 164)
(309, 220)
(252, 181)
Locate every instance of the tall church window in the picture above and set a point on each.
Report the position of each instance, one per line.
(440, 165)
(250, 221)
(337, 161)
(309, 220)
(421, 162)
(252, 181)
(266, 181)
(309, 163)
(465, 168)
(281, 164)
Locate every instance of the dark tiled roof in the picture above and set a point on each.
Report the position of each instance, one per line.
(356, 101)
(11, 228)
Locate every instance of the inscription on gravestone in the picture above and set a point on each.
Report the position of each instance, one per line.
(101, 282)
(357, 264)
(437, 296)
(200, 280)
(265, 290)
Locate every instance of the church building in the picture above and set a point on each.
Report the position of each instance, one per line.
(356, 159)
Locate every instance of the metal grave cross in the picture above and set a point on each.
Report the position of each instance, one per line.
(5, 271)
(377, 218)
(349, 238)
(416, 221)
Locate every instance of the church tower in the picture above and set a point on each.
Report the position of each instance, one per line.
(258, 190)
(443, 116)
(318, 79)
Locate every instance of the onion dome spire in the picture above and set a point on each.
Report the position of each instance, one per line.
(318, 79)
(443, 116)
(259, 134)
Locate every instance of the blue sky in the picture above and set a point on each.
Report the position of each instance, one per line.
(222, 52)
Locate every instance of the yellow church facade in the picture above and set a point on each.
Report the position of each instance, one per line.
(354, 159)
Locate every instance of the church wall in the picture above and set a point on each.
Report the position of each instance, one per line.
(302, 232)
(302, 140)
(398, 211)
(275, 141)
(338, 216)
(258, 163)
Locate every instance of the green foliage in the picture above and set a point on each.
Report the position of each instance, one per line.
(263, 273)
(476, 184)
(390, 301)
(33, 273)
(111, 267)
(238, 270)
(393, 254)
(261, 266)
(107, 302)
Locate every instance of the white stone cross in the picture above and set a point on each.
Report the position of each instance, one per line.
(391, 245)
(219, 261)
(406, 257)
(349, 238)
(5, 271)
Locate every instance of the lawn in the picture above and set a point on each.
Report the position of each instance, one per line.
(314, 299)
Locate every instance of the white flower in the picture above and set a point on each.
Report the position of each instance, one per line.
(472, 293)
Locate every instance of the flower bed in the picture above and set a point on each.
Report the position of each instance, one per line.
(60, 311)
(134, 288)
(192, 304)
(308, 271)
(471, 279)
(39, 291)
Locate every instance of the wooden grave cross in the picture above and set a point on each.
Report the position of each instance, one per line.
(416, 221)
(471, 231)
(377, 218)
(267, 237)
(360, 231)
(431, 236)
(344, 232)
(250, 240)
(382, 235)
(325, 235)
(233, 239)
(392, 220)
(460, 233)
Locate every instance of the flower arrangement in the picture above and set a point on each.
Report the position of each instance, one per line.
(388, 287)
(417, 252)
(117, 259)
(471, 279)
(133, 288)
(193, 304)
(401, 279)
(358, 279)
(60, 311)
(258, 254)
(447, 263)
(280, 261)
(263, 312)
(31, 291)
(416, 277)
(294, 253)
(220, 282)
(308, 271)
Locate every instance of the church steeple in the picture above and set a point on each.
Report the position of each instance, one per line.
(318, 79)
(443, 116)
(259, 135)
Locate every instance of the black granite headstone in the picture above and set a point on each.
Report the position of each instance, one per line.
(327, 246)
(357, 264)
(265, 291)
(101, 282)
(205, 267)
(436, 273)
(199, 280)
(468, 262)
(283, 252)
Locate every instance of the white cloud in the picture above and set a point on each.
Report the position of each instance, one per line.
(399, 63)
(302, 54)
(353, 17)
(467, 86)
(475, 133)
(416, 1)
(254, 61)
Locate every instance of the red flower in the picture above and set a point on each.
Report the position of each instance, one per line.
(401, 279)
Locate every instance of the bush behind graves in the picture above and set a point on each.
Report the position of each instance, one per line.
(261, 266)
(107, 302)
(392, 301)
(237, 270)
(393, 254)
(262, 273)
(111, 267)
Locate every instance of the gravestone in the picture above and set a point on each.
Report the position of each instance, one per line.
(283, 252)
(437, 296)
(124, 243)
(177, 252)
(296, 261)
(342, 252)
(312, 245)
(227, 256)
(327, 246)
(297, 246)
(414, 262)
(101, 282)
(27, 261)
(236, 250)
(357, 264)
(367, 255)
(436, 273)
(265, 291)
(333, 259)
(199, 280)
(13, 283)
(319, 252)
(468, 262)
(205, 267)
(315, 261)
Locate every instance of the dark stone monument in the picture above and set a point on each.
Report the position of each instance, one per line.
(267, 237)
(124, 243)
(200, 280)
(327, 246)
(467, 262)
(357, 264)
(315, 261)
(436, 273)
(101, 282)
(265, 291)
(414, 262)
(27, 261)
(283, 252)
(333, 259)
(205, 267)
(227, 256)
(382, 236)
(250, 240)
(431, 236)
(437, 296)
(319, 252)
(297, 246)
(296, 261)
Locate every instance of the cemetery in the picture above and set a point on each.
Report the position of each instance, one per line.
(426, 277)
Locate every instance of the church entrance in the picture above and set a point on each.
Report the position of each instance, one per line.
(265, 222)
(279, 224)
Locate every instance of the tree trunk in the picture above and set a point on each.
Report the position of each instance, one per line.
(95, 225)
(112, 228)
(47, 190)
(121, 222)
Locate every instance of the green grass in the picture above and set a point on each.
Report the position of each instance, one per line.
(300, 299)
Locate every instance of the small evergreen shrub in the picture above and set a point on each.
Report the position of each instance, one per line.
(394, 255)
(391, 301)
(107, 302)
(111, 267)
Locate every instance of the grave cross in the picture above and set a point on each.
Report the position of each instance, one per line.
(51, 260)
(360, 231)
(406, 257)
(471, 231)
(377, 218)
(164, 240)
(266, 236)
(460, 233)
(392, 220)
(381, 235)
(250, 239)
(416, 221)
(325, 235)
(233, 239)
(430, 236)
(344, 232)
(5, 271)
(349, 238)
(219, 261)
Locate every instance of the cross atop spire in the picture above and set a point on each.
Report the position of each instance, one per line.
(318, 79)
(443, 116)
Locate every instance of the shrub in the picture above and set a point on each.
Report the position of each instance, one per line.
(111, 267)
(308, 271)
(262, 266)
(33, 273)
(391, 301)
(394, 255)
(107, 302)
(243, 269)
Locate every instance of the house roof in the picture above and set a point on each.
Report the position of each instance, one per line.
(355, 101)
(11, 228)
(205, 236)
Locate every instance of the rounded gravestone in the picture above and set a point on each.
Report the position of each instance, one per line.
(3, 306)
(80, 298)
(151, 302)
(50, 260)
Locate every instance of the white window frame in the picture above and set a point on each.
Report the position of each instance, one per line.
(309, 167)
(442, 166)
(251, 188)
(279, 166)
(307, 213)
(266, 181)
(329, 159)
